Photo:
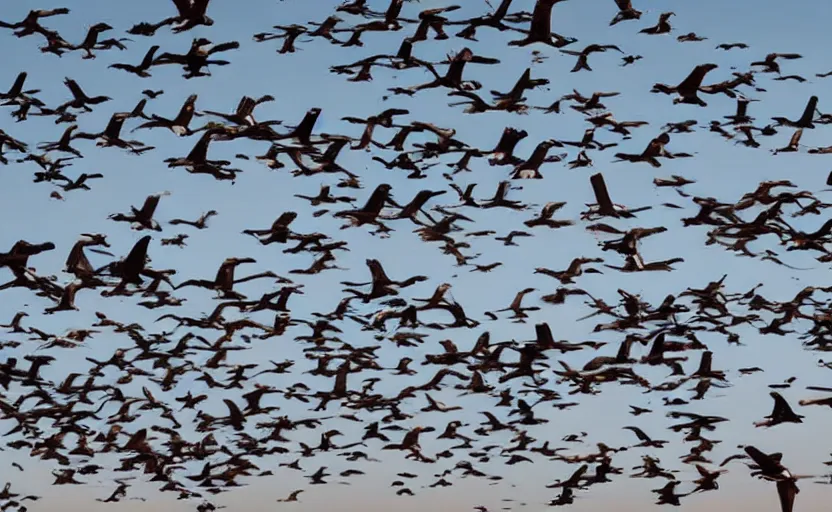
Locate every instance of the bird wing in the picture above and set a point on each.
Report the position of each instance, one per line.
(138, 253)
(694, 79)
(149, 205)
(233, 411)
(795, 140)
(542, 18)
(74, 88)
(602, 195)
(199, 7)
(780, 404)
(184, 7)
(786, 491)
(639, 433)
(766, 462)
(222, 47)
(284, 220)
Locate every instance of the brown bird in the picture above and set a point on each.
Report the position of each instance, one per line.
(626, 12)
(770, 63)
(142, 68)
(687, 90)
(293, 496)
(806, 118)
(142, 218)
(782, 413)
(200, 223)
(224, 281)
(661, 27)
(540, 30)
(769, 467)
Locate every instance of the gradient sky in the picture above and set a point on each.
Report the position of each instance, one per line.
(300, 81)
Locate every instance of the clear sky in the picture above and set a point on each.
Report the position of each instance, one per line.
(302, 80)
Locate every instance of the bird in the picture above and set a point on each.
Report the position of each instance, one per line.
(626, 12)
(200, 223)
(770, 467)
(770, 63)
(687, 89)
(781, 413)
(540, 28)
(142, 68)
(142, 218)
(662, 26)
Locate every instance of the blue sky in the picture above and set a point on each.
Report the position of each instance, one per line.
(300, 81)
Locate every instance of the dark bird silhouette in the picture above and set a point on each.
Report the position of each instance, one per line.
(769, 467)
(142, 218)
(661, 27)
(770, 63)
(224, 280)
(687, 90)
(540, 29)
(197, 57)
(371, 210)
(179, 124)
(80, 100)
(583, 55)
(626, 12)
(805, 120)
(493, 20)
(200, 223)
(278, 232)
(142, 68)
(782, 413)
(190, 14)
(31, 23)
(130, 269)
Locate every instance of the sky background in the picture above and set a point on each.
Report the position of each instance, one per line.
(302, 80)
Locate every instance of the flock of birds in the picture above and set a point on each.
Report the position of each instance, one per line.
(86, 416)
